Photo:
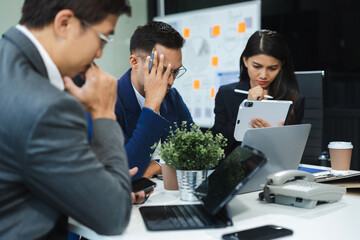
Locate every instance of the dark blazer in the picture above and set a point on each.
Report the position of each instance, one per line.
(47, 169)
(227, 104)
(143, 127)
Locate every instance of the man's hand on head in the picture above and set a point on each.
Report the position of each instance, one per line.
(98, 94)
(155, 82)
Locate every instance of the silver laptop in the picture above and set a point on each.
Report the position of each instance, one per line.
(282, 146)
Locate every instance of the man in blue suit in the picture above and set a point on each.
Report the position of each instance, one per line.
(147, 105)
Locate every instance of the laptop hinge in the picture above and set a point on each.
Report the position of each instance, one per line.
(225, 215)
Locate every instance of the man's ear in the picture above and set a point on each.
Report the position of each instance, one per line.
(134, 61)
(63, 22)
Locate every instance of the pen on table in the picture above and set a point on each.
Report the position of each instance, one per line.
(151, 59)
(327, 175)
(246, 92)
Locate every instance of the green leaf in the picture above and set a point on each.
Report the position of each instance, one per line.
(187, 148)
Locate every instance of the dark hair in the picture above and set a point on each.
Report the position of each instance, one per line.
(271, 43)
(145, 37)
(39, 13)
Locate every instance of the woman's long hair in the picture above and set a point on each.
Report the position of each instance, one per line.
(271, 43)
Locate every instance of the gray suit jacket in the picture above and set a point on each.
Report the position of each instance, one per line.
(48, 171)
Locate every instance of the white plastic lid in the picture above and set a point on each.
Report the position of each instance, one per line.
(340, 145)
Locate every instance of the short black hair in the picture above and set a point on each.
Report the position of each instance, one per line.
(39, 13)
(145, 37)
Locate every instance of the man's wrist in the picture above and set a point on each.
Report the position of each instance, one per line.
(155, 108)
(96, 115)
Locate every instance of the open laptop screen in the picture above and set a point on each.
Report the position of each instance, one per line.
(228, 178)
(282, 146)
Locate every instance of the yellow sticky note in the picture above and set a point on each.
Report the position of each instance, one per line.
(186, 32)
(241, 27)
(196, 84)
(212, 92)
(214, 61)
(216, 30)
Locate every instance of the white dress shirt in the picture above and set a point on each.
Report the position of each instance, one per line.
(52, 70)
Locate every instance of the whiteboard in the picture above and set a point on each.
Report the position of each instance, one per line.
(215, 38)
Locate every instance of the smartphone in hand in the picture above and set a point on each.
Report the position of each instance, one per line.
(143, 184)
(259, 233)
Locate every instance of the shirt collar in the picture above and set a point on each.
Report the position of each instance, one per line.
(52, 71)
(139, 97)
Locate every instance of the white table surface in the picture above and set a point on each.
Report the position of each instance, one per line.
(338, 220)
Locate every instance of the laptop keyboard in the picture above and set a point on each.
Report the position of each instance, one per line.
(181, 217)
(188, 216)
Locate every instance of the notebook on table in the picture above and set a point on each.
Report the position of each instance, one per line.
(282, 146)
(214, 194)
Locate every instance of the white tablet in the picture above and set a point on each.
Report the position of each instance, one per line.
(272, 111)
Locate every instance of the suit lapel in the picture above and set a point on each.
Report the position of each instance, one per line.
(27, 48)
(129, 101)
(168, 109)
(164, 108)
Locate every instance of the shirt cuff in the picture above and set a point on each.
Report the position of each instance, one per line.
(157, 161)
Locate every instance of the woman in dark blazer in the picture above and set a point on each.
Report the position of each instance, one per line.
(266, 68)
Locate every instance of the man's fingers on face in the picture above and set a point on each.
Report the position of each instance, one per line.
(83, 73)
(146, 66)
(160, 66)
(70, 86)
(155, 61)
(91, 71)
(168, 71)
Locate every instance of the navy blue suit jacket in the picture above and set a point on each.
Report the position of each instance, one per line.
(143, 127)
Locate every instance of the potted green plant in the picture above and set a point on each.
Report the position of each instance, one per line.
(191, 153)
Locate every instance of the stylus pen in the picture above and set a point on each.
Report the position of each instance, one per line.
(151, 59)
(246, 92)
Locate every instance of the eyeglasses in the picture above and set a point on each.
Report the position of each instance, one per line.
(104, 39)
(177, 73)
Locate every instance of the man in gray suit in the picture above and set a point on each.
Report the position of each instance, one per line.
(48, 170)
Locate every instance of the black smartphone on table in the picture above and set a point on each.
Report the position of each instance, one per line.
(143, 184)
(259, 233)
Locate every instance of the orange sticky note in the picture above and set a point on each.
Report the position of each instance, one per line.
(186, 32)
(214, 61)
(196, 84)
(216, 30)
(241, 27)
(212, 92)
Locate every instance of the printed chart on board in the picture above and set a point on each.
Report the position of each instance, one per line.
(215, 39)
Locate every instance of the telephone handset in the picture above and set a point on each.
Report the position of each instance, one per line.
(299, 189)
(282, 177)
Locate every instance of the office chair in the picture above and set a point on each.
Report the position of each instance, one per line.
(311, 87)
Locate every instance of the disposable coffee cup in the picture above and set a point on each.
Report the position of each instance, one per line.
(340, 155)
